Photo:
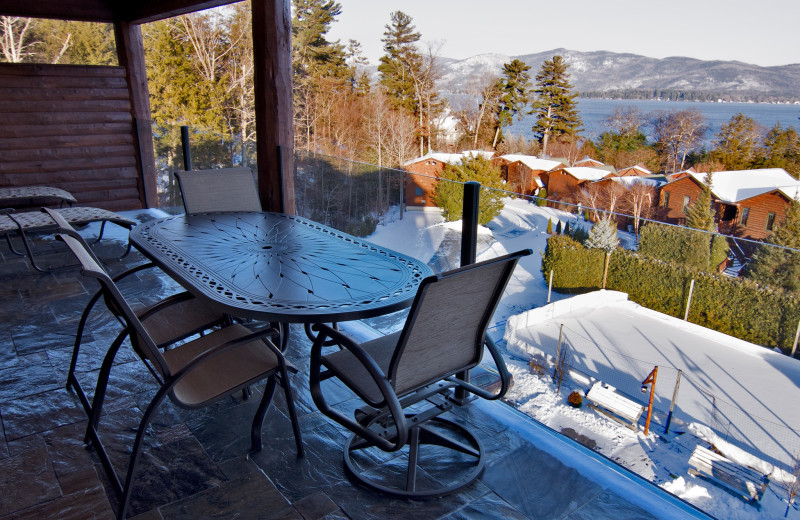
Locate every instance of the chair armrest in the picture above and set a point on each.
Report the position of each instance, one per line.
(219, 349)
(380, 379)
(505, 377)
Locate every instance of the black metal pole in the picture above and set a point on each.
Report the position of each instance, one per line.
(469, 246)
(469, 222)
(187, 150)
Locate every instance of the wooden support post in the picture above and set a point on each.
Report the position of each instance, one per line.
(550, 286)
(558, 350)
(130, 52)
(796, 337)
(689, 301)
(650, 380)
(272, 78)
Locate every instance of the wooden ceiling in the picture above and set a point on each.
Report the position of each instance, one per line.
(108, 11)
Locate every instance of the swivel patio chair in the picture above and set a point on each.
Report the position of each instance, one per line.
(407, 380)
(212, 191)
(193, 374)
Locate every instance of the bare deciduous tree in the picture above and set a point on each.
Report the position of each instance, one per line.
(639, 201)
(677, 133)
(14, 42)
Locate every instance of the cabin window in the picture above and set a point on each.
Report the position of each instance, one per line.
(744, 217)
(418, 192)
(770, 221)
(685, 201)
(665, 199)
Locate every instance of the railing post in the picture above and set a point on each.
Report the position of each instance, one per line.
(689, 301)
(187, 150)
(469, 241)
(469, 222)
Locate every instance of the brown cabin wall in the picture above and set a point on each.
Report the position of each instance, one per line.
(760, 206)
(426, 181)
(562, 186)
(673, 210)
(69, 127)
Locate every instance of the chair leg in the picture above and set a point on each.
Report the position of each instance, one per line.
(137, 444)
(261, 413)
(102, 383)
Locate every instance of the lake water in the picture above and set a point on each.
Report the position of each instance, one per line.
(595, 111)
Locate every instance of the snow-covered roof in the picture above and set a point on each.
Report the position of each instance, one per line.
(736, 186)
(589, 161)
(586, 173)
(535, 163)
(448, 158)
(630, 181)
(639, 168)
(514, 157)
(487, 154)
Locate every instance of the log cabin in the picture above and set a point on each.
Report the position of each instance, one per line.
(523, 173)
(419, 187)
(747, 203)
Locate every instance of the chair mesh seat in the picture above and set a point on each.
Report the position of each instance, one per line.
(12, 194)
(32, 221)
(352, 372)
(211, 380)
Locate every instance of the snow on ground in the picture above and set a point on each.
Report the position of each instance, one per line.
(661, 459)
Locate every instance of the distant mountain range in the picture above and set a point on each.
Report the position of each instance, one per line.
(630, 76)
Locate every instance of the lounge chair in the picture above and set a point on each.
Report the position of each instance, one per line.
(36, 222)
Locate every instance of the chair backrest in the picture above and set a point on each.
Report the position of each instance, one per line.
(445, 330)
(225, 189)
(115, 302)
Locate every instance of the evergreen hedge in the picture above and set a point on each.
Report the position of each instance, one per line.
(734, 306)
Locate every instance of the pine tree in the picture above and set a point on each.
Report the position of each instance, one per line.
(700, 215)
(450, 195)
(400, 39)
(737, 142)
(566, 229)
(514, 87)
(312, 54)
(777, 266)
(555, 107)
(549, 226)
(603, 235)
(558, 228)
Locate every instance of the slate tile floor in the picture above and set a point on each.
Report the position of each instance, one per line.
(196, 464)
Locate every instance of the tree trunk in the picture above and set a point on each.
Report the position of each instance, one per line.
(605, 268)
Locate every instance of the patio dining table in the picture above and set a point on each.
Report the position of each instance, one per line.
(280, 268)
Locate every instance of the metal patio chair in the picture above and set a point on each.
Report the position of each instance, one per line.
(192, 374)
(172, 319)
(407, 380)
(213, 191)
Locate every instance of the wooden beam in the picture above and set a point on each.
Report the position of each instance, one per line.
(79, 10)
(152, 10)
(130, 51)
(272, 54)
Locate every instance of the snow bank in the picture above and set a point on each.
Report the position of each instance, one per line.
(516, 344)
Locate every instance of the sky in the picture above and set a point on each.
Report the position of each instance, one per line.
(763, 32)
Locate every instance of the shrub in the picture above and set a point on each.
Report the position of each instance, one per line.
(558, 228)
(549, 226)
(734, 306)
(542, 200)
(575, 399)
